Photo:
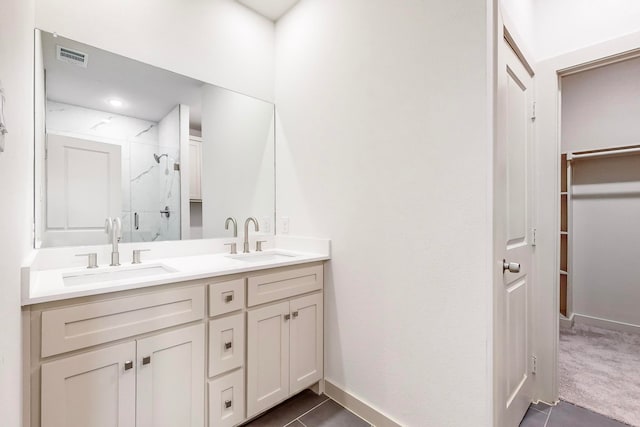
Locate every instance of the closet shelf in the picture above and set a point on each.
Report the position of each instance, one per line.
(564, 233)
(564, 273)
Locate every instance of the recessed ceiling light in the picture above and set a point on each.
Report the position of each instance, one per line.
(115, 103)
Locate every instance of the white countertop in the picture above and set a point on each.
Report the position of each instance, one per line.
(48, 285)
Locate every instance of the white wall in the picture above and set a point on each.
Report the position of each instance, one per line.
(519, 18)
(16, 193)
(567, 25)
(601, 106)
(606, 238)
(553, 27)
(216, 41)
(383, 146)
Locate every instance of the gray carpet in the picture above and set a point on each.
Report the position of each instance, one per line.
(600, 371)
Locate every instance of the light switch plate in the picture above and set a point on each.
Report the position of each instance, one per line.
(285, 225)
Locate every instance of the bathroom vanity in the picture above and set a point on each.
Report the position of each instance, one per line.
(187, 334)
(211, 340)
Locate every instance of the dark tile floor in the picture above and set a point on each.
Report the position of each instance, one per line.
(565, 415)
(307, 409)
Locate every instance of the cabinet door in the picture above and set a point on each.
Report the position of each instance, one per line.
(267, 357)
(195, 151)
(306, 345)
(93, 389)
(170, 381)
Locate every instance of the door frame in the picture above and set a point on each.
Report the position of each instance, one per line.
(547, 210)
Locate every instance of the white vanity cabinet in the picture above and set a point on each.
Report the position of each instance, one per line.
(285, 339)
(131, 358)
(155, 381)
(208, 352)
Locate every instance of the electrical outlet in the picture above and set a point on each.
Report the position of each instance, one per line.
(266, 224)
(285, 225)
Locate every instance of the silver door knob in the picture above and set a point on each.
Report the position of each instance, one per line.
(511, 267)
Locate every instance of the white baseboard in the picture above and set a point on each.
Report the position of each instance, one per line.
(566, 322)
(358, 407)
(583, 319)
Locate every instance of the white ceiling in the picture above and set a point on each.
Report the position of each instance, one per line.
(272, 9)
(147, 92)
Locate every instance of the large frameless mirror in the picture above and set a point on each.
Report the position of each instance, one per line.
(171, 156)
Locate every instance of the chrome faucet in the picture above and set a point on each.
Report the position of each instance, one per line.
(113, 227)
(233, 244)
(246, 232)
(235, 225)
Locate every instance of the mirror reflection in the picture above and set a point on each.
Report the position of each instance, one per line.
(171, 156)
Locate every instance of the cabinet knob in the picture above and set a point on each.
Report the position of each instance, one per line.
(128, 365)
(228, 298)
(287, 316)
(227, 404)
(295, 314)
(227, 345)
(146, 360)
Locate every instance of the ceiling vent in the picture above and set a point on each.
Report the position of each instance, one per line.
(71, 56)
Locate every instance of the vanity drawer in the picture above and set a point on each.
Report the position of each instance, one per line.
(226, 400)
(226, 297)
(79, 326)
(283, 284)
(226, 344)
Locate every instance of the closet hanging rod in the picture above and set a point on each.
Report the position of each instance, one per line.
(614, 152)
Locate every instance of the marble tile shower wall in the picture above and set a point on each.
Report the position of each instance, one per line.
(147, 187)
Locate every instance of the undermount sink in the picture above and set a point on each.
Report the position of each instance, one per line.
(257, 257)
(111, 274)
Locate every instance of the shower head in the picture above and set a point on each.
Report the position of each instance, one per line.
(158, 157)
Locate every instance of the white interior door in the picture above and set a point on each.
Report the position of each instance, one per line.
(83, 189)
(512, 239)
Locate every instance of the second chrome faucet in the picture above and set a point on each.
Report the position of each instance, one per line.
(245, 250)
(246, 232)
(232, 220)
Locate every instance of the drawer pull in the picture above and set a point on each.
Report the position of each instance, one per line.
(287, 316)
(227, 345)
(146, 360)
(227, 404)
(295, 314)
(128, 365)
(228, 298)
